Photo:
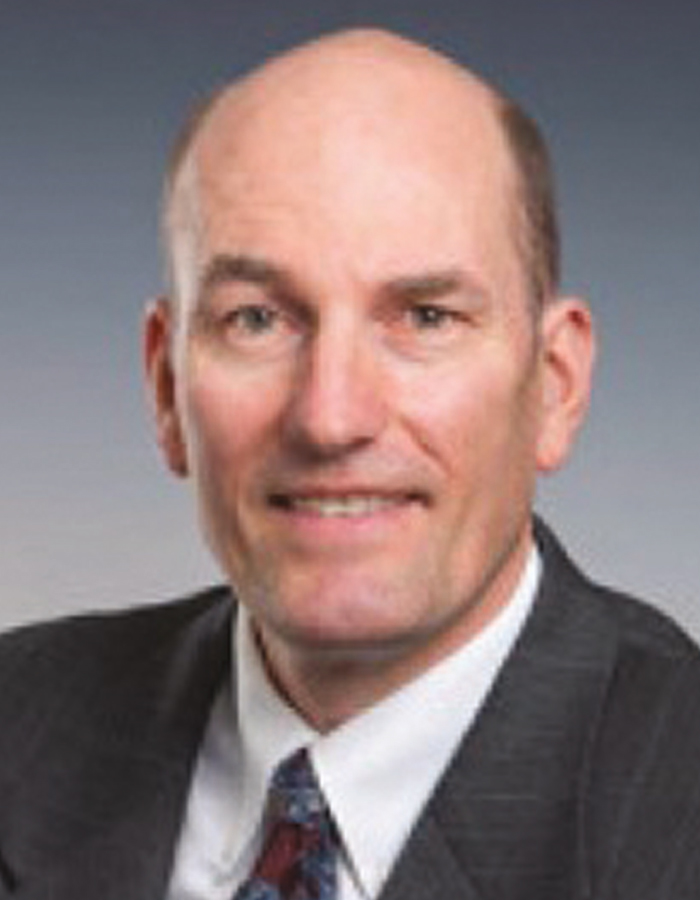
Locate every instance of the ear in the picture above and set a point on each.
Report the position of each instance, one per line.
(160, 378)
(568, 353)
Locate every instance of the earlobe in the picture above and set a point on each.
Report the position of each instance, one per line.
(160, 377)
(568, 351)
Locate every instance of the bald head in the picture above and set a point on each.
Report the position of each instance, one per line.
(315, 100)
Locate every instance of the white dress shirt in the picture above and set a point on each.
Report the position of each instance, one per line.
(377, 771)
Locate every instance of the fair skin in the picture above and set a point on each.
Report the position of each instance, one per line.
(351, 372)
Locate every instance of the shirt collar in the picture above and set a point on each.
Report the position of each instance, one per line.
(269, 729)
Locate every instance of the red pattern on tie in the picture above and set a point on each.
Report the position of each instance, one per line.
(298, 858)
(285, 847)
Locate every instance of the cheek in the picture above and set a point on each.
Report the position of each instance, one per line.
(463, 416)
(226, 421)
(480, 429)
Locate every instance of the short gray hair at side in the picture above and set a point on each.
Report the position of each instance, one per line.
(538, 231)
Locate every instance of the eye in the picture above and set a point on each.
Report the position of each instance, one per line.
(254, 328)
(428, 327)
(253, 318)
(429, 316)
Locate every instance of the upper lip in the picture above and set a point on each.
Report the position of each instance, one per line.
(285, 495)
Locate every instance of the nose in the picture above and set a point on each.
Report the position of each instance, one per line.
(338, 403)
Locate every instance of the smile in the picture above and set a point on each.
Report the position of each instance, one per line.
(340, 505)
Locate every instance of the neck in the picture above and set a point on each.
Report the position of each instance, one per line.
(328, 684)
(329, 687)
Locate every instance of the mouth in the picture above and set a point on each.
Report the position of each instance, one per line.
(346, 505)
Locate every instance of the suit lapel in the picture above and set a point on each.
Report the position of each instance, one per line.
(429, 869)
(101, 815)
(503, 822)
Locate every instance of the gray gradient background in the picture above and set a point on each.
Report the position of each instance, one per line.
(90, 96)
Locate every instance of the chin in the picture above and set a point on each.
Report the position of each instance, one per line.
(354, 620)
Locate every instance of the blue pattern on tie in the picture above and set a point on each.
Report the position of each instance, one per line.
(298, 860)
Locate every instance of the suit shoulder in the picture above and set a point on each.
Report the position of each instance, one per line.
(80, 641)
(645, 786)
(635, 623)
(645, 627)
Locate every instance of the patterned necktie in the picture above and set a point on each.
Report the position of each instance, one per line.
(298, 858)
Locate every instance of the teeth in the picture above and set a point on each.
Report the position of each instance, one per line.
(342, 506)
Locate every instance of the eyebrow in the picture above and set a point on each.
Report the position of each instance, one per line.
(452, 282)
(430, 284)
(224, 267)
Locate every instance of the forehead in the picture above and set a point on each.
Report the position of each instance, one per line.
(386, 163)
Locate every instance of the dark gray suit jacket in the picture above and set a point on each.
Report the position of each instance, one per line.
(580, 778)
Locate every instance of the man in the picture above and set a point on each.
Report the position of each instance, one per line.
(362, 365)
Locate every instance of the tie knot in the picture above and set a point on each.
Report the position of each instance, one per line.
(295, 795)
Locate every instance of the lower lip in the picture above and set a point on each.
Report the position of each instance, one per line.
(321, 529)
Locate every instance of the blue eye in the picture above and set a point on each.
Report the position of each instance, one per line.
(253, 318)
(429, 316)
